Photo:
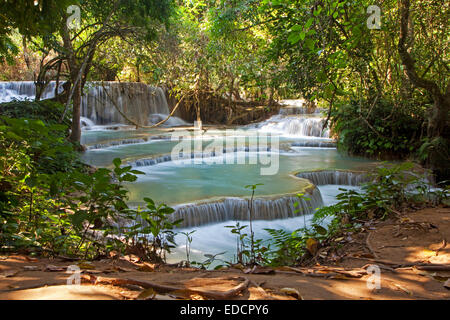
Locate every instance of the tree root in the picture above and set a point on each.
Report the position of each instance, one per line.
(169, 289)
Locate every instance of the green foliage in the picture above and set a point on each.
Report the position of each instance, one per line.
(151, 234)
(50, 203)
(392, 187)
(211, 258)
(47, 111)
(189, 239)
(378, 133)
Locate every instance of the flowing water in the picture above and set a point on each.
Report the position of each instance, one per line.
(207, 186)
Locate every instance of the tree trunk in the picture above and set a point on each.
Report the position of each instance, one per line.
(75, 136)
(438, 115)
(437, 120)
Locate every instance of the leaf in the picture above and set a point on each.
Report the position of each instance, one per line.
(447, 284)
(320, 230)
(86, 265)
(292, 292)
(147, 294)
(312, 245)
(117, 162)
(309, 23)
(52, 268)
(9, 273)
(403, 289)
(293, 38)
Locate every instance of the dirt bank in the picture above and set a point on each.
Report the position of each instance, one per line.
(411, 251)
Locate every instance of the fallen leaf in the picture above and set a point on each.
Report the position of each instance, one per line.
(147, 267)
(447, 284)
(85, 265)
(147, 294)
(30, 259)
(92, 271)
(428, 253)
(31, 268)
(122, 269)
(292, 292)
(52, 268)
(339, 277)
(312, 245)
(259, 270)
(403, 289)
(8, 273)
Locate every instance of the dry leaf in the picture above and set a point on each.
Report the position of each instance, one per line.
(147, 267)
(31, 268)
(147, 294)
(292, 292)
(53, 268)
(86, 265)
(447, 284)
(403, 289)
(30, 259)
(312, 245)
(8, 273)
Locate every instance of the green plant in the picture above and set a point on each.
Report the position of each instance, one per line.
(188, 236)
(211, 258)
(152, 232)
(250, 210)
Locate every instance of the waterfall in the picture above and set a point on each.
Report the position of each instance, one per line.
(116, 143)
(338, 177)
(315, 143)
(86, 123)
(230, 209)
(25, 90)
(303, 126)
(194, 155)
(136, 100)
(171, 122)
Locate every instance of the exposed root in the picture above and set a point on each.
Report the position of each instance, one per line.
(169, 289)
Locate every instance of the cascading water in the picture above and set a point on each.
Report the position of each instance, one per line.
(228, 209)
(141, 103)
(24, 90)
(337, 177)
(295, 121)
(136, 100)
(188, 186)
(171, 122)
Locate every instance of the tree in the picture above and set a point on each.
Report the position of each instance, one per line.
(76, 48)
(101, 22)
(438, 89)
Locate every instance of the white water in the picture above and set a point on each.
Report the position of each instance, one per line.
(24, 90)
(213, 239)
(294, 126)
(140, 102)
(181, 185)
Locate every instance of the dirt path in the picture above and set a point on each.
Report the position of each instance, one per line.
(417, 238)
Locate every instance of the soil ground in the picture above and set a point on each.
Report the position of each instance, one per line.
(400, 246)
